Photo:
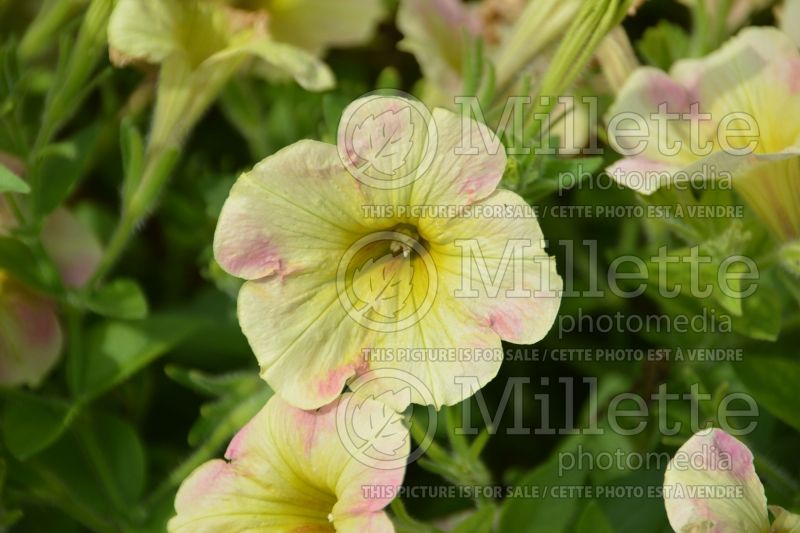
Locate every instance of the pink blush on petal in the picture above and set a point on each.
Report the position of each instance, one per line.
(252, 256)
(236, 448)
(203, 483)
(474, 184)
(506, 325)
(792, 73)
(334, 382)
(740, 457)
(664, 90)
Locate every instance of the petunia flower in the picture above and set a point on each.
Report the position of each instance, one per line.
(519, 37)
(739, 117)
(349, 275)
(316, 25)
(288, 470)
(434, 31)
(516, 33)
(199, 44)
(30, 333)
(711, 486)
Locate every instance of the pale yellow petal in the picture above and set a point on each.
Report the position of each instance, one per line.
(144, 30)
(295, 211)
(711, 461)
(785, 522)
(316, 25)
(30, 335)
(288, 470)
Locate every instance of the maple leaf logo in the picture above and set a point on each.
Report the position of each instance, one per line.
(384, 141)
(381, 430)
(380, 286)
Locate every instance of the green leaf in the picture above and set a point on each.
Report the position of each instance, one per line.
(95, 473)
(536, 505)
(664, 44)
(242, 106)
(10, 182)
(117, 350)
(62, 167)
(207, 384)
(593, 520)
(619, 499)
(132, 148)
(117, 457)
(121, 298)
(31, 423)
(480, 521)
(20, 261)
(761, 315)
(239, 396)
(560, 175)
(773, 382)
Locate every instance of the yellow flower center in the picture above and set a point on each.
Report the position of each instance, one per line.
(387, 279)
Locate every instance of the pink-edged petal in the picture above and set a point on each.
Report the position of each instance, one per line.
(289, 470)
(745, 98)
(492, 262)
(450, 351)
(73, 247)
(755, 73)
(713, 461)
(468, 164)
(294, 211)
(633, 127)
(433, 30)
(30, 335)
(641, 174)
(306, 344)
(384, 141)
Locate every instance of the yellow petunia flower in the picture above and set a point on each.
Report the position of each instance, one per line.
(394, 250)
(288, 470)
(31, 339)
(518, 35)
(316, 25)
(200, 44)
(711, 485)
(734, 113)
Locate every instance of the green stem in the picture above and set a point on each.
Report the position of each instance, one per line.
(56, 492)
(113, 250)
(594, 20)
(74, 363)
(700, 29)
(157, 170)
(436, 452)
(721, 22)
(45, 26)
